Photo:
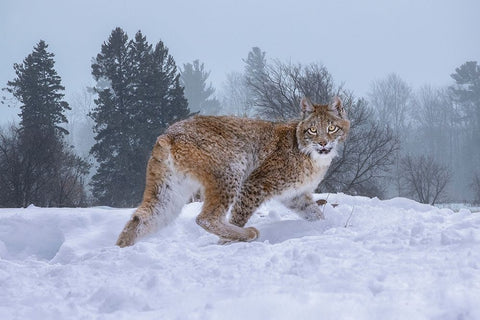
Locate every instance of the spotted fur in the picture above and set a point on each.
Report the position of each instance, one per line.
(238, 163)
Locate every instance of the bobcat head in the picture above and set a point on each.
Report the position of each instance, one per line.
(322, 127)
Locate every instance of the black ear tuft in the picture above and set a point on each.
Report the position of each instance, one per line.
(338, 106)
(306, 105)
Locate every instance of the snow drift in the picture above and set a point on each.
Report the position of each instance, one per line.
(369, 259)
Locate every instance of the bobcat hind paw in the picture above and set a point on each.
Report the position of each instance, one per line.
(253, 234)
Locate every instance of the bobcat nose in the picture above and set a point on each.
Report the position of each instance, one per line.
(323, 143)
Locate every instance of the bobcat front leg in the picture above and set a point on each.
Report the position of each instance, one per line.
(261, 184)
(305, 207)
(249, 199)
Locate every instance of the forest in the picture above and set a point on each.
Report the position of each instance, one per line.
(421, 143)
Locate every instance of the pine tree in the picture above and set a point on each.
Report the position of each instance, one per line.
(46, 169)
(111, 70)
(255, 66)
(466, 95)
(256, 78)
(198, 93)
(466, 91)
(38, 87)
(139, 96)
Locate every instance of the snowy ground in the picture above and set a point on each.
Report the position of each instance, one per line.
(369, 259)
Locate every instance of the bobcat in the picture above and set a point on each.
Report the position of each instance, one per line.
(238, 163)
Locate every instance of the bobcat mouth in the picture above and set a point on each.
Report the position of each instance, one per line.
(317, 149)
(323, 150)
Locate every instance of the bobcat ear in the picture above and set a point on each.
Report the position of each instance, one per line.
(306, 105)
(338, 106)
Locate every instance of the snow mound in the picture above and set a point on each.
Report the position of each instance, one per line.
(369, 259)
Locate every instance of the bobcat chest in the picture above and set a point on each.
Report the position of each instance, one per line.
(308, 179)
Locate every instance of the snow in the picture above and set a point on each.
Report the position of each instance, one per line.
(369, 259)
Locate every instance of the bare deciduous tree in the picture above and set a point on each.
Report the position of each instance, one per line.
(10, 168)
(80, 126)
(236, 98)
(25, 177)
(390, 97)
(424, 178)
(368, 152)
(435, 122)
(283, 85)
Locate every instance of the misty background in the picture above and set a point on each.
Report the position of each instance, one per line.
(365, 51)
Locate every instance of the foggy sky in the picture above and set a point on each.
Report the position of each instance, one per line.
(358, 41)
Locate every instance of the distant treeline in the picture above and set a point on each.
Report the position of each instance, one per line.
(420, 143)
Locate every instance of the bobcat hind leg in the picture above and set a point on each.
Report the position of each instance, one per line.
(213, 218)
(166, 191)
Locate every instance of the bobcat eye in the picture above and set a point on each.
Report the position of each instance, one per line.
(332, 128)
(312, 130)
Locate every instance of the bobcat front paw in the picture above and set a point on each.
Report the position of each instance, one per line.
(253, 233)
(314, 215)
